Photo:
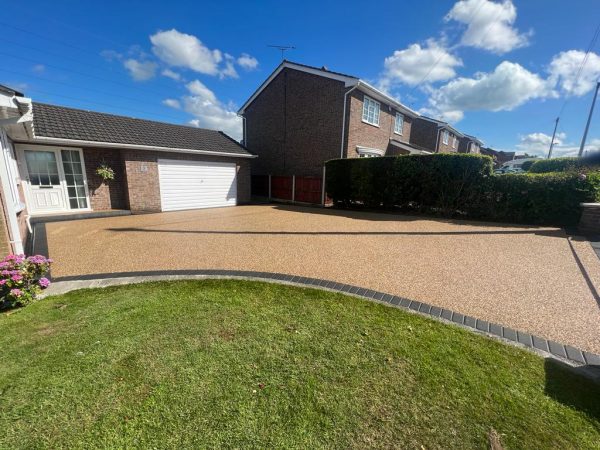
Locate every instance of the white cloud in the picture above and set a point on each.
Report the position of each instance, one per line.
(184, 50)
(565, 67)
(247, 62)
(490, 25)
(173, 103)
(39, 68)
(411, 65)
(209, 112)
(171, 74)
(507, 87)
(539, 144)
(140, 70)
(229, 70)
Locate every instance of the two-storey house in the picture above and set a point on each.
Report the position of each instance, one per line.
(469, 144)
(434, 135)
(303, 116)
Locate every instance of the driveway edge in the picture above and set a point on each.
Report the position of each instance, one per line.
(588, 364)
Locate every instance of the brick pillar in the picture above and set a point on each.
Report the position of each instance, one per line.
(590, 218)
(143, 187)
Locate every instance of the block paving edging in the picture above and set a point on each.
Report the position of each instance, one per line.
(539, 345)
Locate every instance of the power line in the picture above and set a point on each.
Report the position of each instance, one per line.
(128, 86)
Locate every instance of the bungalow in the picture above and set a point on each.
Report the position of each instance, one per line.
(50, 157)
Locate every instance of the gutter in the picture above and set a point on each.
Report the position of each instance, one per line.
(344, 120)
(76, 142)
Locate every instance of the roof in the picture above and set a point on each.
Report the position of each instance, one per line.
(442, 124)
(348, 80)
(473, 138)
(62, 123)
(10, 91)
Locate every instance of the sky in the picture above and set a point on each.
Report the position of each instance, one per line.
(498, 69)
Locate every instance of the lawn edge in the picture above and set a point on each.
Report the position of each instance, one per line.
(586, 363)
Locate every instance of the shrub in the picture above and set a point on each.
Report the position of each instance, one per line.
(527, 165)
(548, 198)
(444, 181)
(461, 185)
(567, 164)
(22, 279)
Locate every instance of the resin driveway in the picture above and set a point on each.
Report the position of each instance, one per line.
(532, 279)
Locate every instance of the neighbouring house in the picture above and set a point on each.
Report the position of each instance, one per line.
(499, 157)
(435, 135)
(50, 155)
(302, 116)
(469, 144)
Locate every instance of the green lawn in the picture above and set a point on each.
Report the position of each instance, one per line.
(246, 364)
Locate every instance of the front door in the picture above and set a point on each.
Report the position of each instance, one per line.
(54, 180)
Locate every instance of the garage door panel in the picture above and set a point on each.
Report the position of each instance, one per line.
(196, 184)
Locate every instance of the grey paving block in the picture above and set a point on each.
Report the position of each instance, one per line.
(414, 305)
(446, 314)
(483, 325)
(540, 343)
(495, 329)
(591, 359)
(524, 338)
(425, 308)
(379, 295)
(388, 298)
(458, 318)
(509, 333)
(574, 354)
(557, 349)
(354, 290)
(361, 292)
(470, 321)
(405, 303)
(435, 311)
(395, 300)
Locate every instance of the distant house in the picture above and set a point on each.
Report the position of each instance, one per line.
(469, 144)
(434, 135)
(303, 116)
(499, 157)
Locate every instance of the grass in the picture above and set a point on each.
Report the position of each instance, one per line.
(246, 364)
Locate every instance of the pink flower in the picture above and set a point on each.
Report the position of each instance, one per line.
(16, 277)
(16, 292)
(2, 282)
(44, 282)
(5, 272)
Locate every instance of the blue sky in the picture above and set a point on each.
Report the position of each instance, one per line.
(500, 70)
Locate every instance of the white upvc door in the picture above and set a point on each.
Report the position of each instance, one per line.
(54, 179)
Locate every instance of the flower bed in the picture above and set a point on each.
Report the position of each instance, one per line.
(22, 279)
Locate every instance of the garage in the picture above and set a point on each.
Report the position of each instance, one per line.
(196, 184)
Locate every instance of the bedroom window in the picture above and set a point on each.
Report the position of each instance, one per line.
(370, 113)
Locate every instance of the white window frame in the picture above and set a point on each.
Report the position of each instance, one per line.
(445, 137)
(367, 102)
(454, 141)
(399, 130)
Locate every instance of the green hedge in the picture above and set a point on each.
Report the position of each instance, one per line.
(555, 165)
(460, 184)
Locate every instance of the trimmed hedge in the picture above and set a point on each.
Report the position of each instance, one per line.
(460, 185)
(566, 164)
(444, 181)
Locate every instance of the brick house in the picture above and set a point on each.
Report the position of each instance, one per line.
(50, 155)
(303, 116)
(469, 144)
(500, 157)
(434, 135)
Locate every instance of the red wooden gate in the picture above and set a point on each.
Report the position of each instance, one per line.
(281, 187)
(308, 190)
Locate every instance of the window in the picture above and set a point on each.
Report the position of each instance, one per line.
(370, 111)
(445, 137)
(399, 124)
(42, 168)
(454, 142)
(74, 179)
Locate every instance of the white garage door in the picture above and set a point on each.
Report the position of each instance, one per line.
(196, 184)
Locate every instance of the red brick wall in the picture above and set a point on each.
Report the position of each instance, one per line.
(363, 134)
(105, 195)
(425, 134)
(143, 187)
(295, 124)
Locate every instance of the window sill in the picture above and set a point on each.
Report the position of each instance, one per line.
(399, 134)
(372, 124)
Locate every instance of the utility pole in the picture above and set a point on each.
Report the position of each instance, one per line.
(553, 134)
(587, 125)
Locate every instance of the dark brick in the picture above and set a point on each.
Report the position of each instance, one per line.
(591, 359)
(414, 305)
(425, 308)
(524, 338)
(509, 333)
(482, 325)
(540, 343)
(470, 321)
(435, 311)
(446, 314)
(395, 300)
(495, 329)
(405, 303)
(458, 318)
(574, 354)
(557, 349)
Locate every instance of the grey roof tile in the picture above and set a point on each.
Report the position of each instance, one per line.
(76, 124)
